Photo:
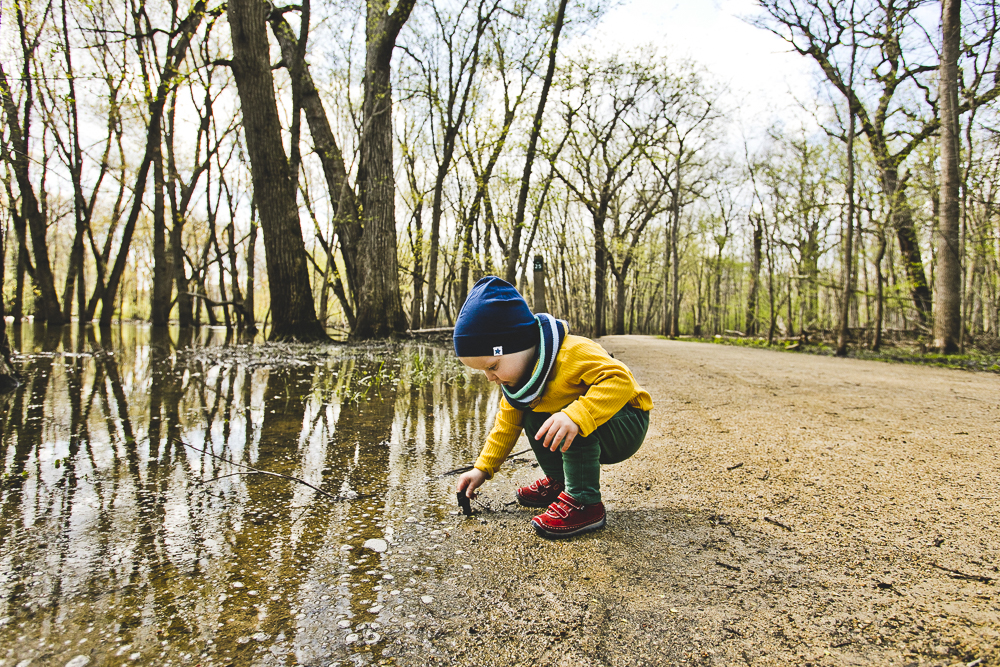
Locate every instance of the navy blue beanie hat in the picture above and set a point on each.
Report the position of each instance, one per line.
(495, 320)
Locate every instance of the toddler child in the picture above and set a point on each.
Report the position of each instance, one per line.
(579, 407)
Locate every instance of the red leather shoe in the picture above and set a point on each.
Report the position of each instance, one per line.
(566, 517)
(540, 493)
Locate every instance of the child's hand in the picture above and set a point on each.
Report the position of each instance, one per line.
(470, 481)
(558, 428)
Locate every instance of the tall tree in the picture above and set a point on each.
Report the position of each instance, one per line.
(19, 125)
(380, 307)
(848, 261)
(883, 100)
(513, 65)
(948, 281)
(107, 293)
(603, 148)
(514, 247)
(293, 314)
(620, 117)
(343, 197)
(449, 66)
(689, 127)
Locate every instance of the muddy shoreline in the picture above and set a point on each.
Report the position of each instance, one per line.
(785, 509)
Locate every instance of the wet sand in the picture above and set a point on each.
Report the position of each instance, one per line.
(785, 509)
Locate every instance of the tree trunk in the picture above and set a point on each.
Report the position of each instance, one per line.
(82, 213)
(342, 195)
(845, 308)
(948, 282)
(162, 273)
(417, 234)
(37, 225)
(17, 303)
(380, 307)
(435, 235)
(250, 323)
(906, 236)
(751, 319)
(620, 291)
(8, 376)
(234, 276)
(717, 318)
(879, 296)
(292, 308)
(665, 324)
(450, 125)
(600, 269)
(479, 201)
(675, 229)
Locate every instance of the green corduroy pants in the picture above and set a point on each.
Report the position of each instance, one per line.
(579, 467)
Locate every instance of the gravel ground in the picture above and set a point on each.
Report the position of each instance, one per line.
(785, 509)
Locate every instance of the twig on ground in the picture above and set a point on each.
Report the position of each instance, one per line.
(957, 574)
(738, 465)
(459, 471)
(734, 568)
(486, 508)
(777, 523)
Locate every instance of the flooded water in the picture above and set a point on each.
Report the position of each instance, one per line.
(137, 526)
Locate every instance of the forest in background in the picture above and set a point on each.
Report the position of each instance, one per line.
(399, 150)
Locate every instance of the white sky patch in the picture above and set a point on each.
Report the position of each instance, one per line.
(764, 77)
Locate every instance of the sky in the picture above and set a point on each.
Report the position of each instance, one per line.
(764, 76)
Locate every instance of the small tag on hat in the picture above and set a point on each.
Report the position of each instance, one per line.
(498, 351)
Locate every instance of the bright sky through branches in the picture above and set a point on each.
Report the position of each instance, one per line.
(764, 76)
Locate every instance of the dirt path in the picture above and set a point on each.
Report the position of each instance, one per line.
(785, 509)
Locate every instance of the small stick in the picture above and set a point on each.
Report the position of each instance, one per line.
(728, 567)
(962, 575)
(738, 465)
(777, 523)
(459, 471)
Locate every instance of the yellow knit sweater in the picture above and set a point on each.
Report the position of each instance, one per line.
(586, 383)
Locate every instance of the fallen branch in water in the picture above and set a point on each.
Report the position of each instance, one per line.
(459, 471)
(250, 470)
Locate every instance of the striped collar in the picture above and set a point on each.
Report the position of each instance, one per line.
(552, 333)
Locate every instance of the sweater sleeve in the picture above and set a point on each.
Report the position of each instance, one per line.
(506, 430)
(609, 384)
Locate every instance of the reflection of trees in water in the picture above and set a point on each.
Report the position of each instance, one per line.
(23, 432)
(123, 525)
(95, 501)
(286, 528)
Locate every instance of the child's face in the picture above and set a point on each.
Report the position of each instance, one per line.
(507, 369)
